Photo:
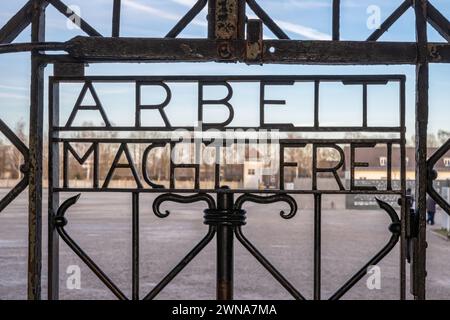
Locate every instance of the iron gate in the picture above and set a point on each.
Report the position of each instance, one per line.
(231, 38)
(224, 215)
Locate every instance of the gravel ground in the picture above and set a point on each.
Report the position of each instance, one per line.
(101, 224)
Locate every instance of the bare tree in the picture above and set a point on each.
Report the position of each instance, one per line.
(14, 157)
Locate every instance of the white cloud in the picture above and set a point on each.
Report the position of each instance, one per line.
(186, 3)
(159, 13)
(149, 9)
(13, 96)
(309, 4)
(16, 88)
(306, 32)
(303, 31)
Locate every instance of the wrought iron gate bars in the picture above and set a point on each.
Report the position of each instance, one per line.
(222, 224)
(420, 53)
(22, 148)
(227, 217)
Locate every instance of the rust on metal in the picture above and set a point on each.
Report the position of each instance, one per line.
(227, 19)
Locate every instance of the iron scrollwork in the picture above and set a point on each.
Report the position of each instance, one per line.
(171, 197)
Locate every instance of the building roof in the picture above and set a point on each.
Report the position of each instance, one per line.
(374, 156)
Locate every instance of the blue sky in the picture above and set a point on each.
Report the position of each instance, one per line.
(301, 19)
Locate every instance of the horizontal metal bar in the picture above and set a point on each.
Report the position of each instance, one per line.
(378, 78)
(109, 50)
(29, 46)
(91, 49)
(280, 129)
(237, 191)
(283, 141)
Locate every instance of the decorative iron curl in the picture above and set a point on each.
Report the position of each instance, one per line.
(270, 199)
(180, 199)
(60, 219)
(395, 226)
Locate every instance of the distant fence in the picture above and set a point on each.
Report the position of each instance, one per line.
(365, 201)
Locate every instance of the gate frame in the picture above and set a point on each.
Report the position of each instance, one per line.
(223, 45)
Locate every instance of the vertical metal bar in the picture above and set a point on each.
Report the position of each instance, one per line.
(212, 19)
(281, 166)
(135, 246)
(422, 82)
(317, 244)
(364, 124)
(116, 18)
(314, 167)
(316, 103)
(231, 14)
(53, 198)
(242, 19)
(389, 167)
(404, 207)
(96, 165)
(336, 19)
(36, 133)
(225, 252)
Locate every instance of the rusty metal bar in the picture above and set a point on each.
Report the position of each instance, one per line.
(226, 19)
(53, 197)
(422, 83)
(90, 49)
(116, 50)
(254, 41)
(35, 147)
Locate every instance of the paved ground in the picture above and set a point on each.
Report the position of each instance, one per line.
(102, 223)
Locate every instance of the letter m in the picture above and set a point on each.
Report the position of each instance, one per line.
(67, 148)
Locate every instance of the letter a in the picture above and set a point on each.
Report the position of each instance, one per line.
(374, 280)
(98, 106)
(130, 165)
